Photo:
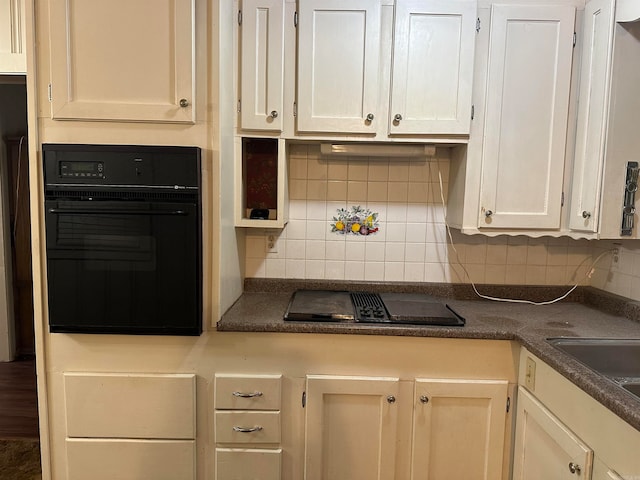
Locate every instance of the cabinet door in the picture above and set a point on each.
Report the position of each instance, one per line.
(603, 472)
(338, 57)
(526, 116)
(248, 464)
(597, 40)
(458, 429)
(126, 459)
(105, 67)
(545, 447)
(351, 427)
(432, 66)
(12, 37)
(261, 64)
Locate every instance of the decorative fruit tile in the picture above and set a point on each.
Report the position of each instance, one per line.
(356, 221)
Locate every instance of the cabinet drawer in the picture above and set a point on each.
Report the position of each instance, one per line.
(254, 392)
(248, 464)
(247, 427)
(130, 405)
(106, 459)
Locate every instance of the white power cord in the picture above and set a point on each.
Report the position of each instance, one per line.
(509, 300)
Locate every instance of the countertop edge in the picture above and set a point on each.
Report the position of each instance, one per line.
(492, 324)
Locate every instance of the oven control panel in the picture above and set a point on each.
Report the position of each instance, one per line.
(81, 169)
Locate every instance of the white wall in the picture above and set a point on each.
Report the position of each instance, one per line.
(411, 244)
(618, 273)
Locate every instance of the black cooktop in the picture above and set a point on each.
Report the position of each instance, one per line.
(365, 307)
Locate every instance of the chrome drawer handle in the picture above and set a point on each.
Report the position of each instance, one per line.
(247, 395)
(257, 428)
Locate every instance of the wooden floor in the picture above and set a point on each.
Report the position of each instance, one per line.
(18, 399)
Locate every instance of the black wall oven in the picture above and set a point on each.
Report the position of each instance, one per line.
(123, 239)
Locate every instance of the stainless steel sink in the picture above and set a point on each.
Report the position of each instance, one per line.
(633, 388)
(610, 357)
(616, 359)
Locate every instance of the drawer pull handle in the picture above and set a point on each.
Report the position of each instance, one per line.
(257, 428)
(247, 395)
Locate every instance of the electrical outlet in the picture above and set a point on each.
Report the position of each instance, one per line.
(271, 243)
(530, 374)
(616, 259)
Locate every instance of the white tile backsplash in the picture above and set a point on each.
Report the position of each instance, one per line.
(412, 244)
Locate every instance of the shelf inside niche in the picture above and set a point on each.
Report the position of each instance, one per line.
(261, 182)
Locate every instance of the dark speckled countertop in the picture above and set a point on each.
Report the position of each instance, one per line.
(586, 313)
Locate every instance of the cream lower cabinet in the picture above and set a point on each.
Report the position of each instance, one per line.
(130, 426)
(353, 428)
(603, 472)
(458, 429)
(545, 447)
(248, 427)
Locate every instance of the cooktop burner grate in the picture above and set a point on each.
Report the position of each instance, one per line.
(369, 307)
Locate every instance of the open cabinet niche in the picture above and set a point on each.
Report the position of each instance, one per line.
(16, 307)
(261, 182)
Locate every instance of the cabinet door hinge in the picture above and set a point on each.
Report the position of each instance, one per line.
(304, 399)
(562, 200)
(295, 109)
(295, 19)
(239, 17)
(478, 25)
(508, 404)
(239, 105)
(50, 95)
(575, 39)
(473, 111)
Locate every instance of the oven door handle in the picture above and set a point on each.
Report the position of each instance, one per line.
(115, 212)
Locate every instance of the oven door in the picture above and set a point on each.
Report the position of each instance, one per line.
(123, 267)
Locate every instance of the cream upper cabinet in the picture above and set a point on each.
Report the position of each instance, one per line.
(12, 37)
(351, 426)
(106, 67)
(261, 64)
(458, 429)
(527, 104)
(604, 198)
(545, 447)
(338, 65)
(597, 42)
(389, 70)
(432, 71)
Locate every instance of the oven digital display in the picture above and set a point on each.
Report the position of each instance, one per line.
(82, 169)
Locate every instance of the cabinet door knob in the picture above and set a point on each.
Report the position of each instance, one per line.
(184, 102)
(370, 117)
(274, 114)
(391, 399)
(424, 399)
(488, 213)
(397, 117)
(574, 468)
(586, 214)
